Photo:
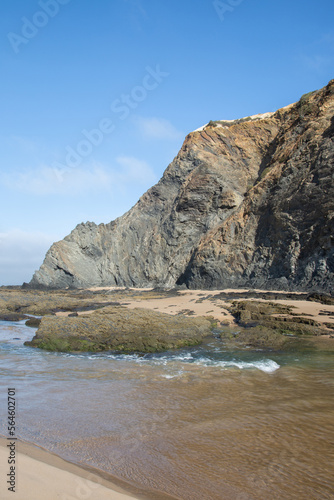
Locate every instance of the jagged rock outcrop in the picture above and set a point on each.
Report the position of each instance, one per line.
(248, 202)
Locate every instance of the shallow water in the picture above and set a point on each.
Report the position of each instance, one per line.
(201, 423)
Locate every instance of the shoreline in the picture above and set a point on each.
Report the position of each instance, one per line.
(201, 302)
(207, 302)
(41, 474)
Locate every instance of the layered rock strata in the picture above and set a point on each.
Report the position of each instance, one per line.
(246, 203)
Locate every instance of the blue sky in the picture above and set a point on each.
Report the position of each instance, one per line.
(97, 97)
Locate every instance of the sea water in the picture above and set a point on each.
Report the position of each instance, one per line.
(199, 423)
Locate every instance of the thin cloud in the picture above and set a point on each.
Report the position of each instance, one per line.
(21, 253)
(157, 128)
(134, 170)
(46, 180)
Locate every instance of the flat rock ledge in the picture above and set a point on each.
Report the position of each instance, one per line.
(120, 329)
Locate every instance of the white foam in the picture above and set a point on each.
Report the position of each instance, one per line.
(265, 365)
(175, 375)
(269, 367)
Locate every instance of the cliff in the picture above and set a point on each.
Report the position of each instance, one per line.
(248, 203)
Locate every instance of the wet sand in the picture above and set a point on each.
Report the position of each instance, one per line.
(41, 475)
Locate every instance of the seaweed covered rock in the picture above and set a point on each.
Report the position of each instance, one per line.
(270, 316)
(33, 322)
(120, 329)
(12, 316)
(322, 298)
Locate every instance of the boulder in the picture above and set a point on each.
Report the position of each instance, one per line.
(120, 329)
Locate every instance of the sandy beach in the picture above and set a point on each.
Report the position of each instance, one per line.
(40, 475)
(146, 433)
(208, 303)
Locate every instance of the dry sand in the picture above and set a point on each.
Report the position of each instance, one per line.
(314, 310)
(43, 476)
(205, 303)
(193, 302)
(187, 301)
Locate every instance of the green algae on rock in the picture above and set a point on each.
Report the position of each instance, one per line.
(120, 329)
(273, 316)
(270, 325)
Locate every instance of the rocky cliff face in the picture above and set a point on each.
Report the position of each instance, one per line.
(245, 203)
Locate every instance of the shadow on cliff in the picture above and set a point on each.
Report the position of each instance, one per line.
(329, 132)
